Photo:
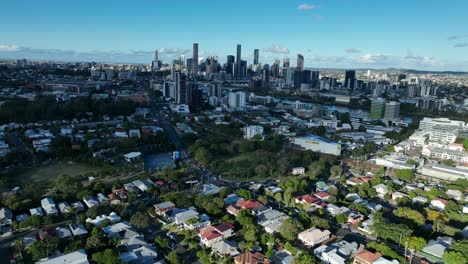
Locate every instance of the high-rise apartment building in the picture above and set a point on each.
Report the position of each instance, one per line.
(182, 92)
(300, 62)
(392, 110)
(256, 55)
(377, 108)
(195, 59)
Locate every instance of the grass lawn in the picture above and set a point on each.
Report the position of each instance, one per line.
(51, 171)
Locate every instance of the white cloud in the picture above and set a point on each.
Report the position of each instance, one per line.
(172, 50)
(9, 48)
(277, 49)
(455, 37)
(304, 7)
(461, 45)
(352, 50)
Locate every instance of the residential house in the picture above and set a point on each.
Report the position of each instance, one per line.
(366, 257)
(76, 257)
(232, 199)
(455, 194)
(162, 208)
(64, 207)
(307, 199)
(209, 235)
(78, 229)
(223, 248)
(438, 203)
(36, 211)
(381, 190)
(313, 236)
(134, 133)
(298, 170)
(337, 253)
(355, 217)
(63, 232)
(209, 189)
(132, 156)
(436, 248)
(182, 217)
(143, 254)
(6, 216)
(323, 196)
(334, 210)
(112, 217)
(271, 220)
(419, 199)
(282, 257)
(49, 207)
(90, 201)
(250, 258)
(78, 206)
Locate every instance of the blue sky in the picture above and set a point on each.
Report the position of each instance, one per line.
(419, 34)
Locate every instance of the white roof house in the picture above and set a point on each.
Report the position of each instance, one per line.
(76, 257)
(132, 156)
(313, 236)
(90, 201)
(6, 216)
(78, 229)
(113, 217)
(36, 211)
(49, 207)
(63, 232)
(64, 207)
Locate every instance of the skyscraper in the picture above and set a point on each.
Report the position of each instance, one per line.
(195, 58)
(182, 93)
(300, 62)
(155, 63)
(350, 79)
(377, 108)
(182, 59)
(392, 110)
(238, 62)
(256, 55)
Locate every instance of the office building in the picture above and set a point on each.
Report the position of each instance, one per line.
(155, 63)
(318, 144)
(300, 62)
(350, 79)
(236, 100)
(428, 123)
(238, 72)
(195, 59)
(182, 93)
(256, 55)
(392, 110)
(377, 108)
(182, 59)
(286, 63)
(251, 131)
(215, 90)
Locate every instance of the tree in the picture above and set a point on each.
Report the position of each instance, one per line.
(416, 243)
(460, 246)
(336, 171)
(244, 194)
(304, 258)
(140, 220)
(108, 256)
(161, 241)
(341, 218)
(404, 174)
(316, 169)
(454, 257)
(290, 228)
(173, 258)
(414, 216)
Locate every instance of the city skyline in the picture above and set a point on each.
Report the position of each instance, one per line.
(329, 34)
